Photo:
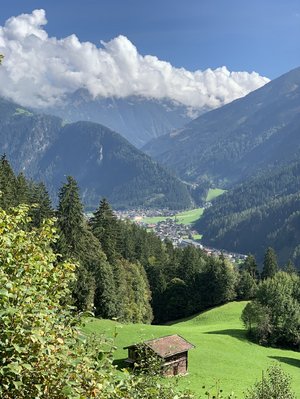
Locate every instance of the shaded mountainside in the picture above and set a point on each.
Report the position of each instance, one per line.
(25, 136)
(236, 141)
(136, 118)
(103, 162)
(261, 212)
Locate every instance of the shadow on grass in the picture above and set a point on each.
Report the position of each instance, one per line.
(234, 333)
(288, 360)
(120, 364)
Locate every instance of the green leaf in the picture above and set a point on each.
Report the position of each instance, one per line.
(27, 366)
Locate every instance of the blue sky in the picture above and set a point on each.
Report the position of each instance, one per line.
(261, 36)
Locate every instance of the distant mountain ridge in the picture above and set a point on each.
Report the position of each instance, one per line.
(238, 140)
(103, 162)
(138, 119)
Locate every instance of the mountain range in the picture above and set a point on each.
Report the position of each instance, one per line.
(138, 119)
(250, 147)
(46, 148)
(236, 141)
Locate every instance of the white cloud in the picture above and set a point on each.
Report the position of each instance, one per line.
(39, 70)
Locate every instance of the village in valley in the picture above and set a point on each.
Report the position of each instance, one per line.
(166, 225)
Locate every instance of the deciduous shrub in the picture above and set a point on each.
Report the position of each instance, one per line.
(275, 384)
(43, 355)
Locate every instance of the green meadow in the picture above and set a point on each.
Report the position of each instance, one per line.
(154, 219)
(214, 193)
(197, 237)
(190, 216)
(223, 354)
(186, 217)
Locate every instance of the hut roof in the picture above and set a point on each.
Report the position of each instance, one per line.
(167, 346)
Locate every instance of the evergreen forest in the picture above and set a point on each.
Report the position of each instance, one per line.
(261, 212)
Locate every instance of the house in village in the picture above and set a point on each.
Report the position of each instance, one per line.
(172, 351)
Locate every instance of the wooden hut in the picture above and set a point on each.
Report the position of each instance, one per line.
(171, 349)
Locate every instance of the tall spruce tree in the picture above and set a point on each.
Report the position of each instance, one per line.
(42, 210)
(70, 219)
(95, 287)
(290, 268)
(105, 227)
(270, 266)
(8, 185)
(22, 189)
(250, 266)
(95, 262)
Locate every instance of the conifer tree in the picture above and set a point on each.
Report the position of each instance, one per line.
(250, 266)
(70, 219)
(270, 267)
(8, 185)
(138, 282)
(247, 286)
(40, 197)
(83, 290)
(290, 268)
(95, 262)
(22, 189)
(105, 227)
(95, 287)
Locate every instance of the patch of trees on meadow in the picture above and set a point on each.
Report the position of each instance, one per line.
(273, 318)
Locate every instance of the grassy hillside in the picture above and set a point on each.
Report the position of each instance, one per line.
(222, 351)
(214, 193)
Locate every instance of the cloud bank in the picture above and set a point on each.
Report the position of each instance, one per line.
(39, 70)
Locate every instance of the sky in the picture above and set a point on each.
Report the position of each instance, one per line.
(170, 43)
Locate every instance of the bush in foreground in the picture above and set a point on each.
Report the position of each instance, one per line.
(43, 355)
(275, 384)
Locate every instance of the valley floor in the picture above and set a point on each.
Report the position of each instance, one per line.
(222, 355)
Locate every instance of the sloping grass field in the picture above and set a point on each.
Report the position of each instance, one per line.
(214, 193)
(223, 354)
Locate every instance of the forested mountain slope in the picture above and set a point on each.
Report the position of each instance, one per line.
(236, 141)
(103, 162)
(263, 211)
